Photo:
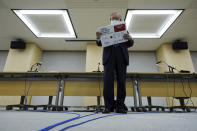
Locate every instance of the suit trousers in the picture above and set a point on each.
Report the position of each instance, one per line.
(115, 65)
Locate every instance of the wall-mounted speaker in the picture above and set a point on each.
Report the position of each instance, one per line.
(179, 45)
(18, 44)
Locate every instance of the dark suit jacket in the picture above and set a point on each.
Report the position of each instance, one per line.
(124, 47)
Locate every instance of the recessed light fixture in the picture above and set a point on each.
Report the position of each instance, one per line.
(24, 14)
(171, 17)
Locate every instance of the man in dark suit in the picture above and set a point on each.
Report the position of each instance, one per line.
(115, 58)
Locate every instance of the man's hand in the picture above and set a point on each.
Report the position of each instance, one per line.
(98, 35)
(127, 36)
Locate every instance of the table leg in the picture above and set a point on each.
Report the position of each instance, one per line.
(50, 100)
(135, 93)
(57, 93)
(139, 93)
(62, 93)
(98, 101)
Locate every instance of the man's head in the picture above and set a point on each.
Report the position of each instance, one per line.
(115, 16)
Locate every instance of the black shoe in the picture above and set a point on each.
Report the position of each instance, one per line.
(125, 107)
(121, 109)
(106, 111)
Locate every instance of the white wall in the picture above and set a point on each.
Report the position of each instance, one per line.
(3, 57)
(194, 59)
(62, 61)
(142, 62)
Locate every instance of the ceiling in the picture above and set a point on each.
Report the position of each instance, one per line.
(88, 15)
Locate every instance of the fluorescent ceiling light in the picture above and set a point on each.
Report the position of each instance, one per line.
(23, 15)
(172, 15)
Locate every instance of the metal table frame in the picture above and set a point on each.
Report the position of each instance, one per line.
(62, 77)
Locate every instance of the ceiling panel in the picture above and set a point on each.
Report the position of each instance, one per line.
(87, 18)
(146, 23)
(47, 19)
(49, 23)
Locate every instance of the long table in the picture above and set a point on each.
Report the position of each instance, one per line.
(90, 84)
(165, 85)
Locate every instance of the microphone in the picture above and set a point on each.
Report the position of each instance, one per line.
(39, 63)
(158, 62)
(99, 67)
(36, 64)
(170, 68)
